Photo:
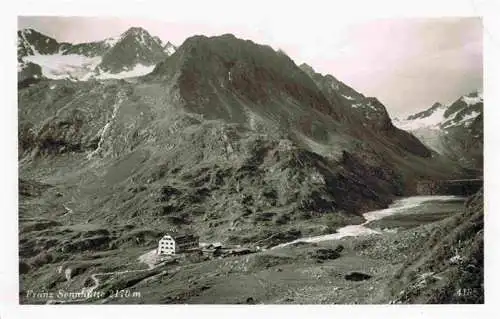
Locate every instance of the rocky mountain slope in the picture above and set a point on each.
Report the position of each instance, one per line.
(450, 267)
(454, 130)
(356, 109)
(225, 134)
(133, 53)
(31, 42)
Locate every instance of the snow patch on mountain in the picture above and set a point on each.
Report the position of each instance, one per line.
(466, 120)
(59, 66)
(138, 70)
(25, 41)
(79, 67)
(112, 41)
(371, 106)
(169, 48)
(84, 61)
(431, 122)
(473, 100)
(105, 129)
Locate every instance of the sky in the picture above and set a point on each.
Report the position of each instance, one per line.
(407, 63)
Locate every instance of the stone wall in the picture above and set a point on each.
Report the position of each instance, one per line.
(426, 188)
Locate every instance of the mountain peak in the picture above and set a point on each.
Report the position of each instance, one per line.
(135, 47)
(31, 42)
(27, 30)
(31, 31)
(432, 111)
(138, 34)
(169, 48)
(135, 30)
(307, 68)
(210, 41)
(157, 39)
(477, 94)
(251, 71)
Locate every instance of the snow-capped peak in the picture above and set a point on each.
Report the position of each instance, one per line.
(112, 41)
(444, 116)
(135, 31)
(169, 48)
(23, 41)
(27, 31)
(159, 41)
(132, 53)
(473, 98)
(431, 121)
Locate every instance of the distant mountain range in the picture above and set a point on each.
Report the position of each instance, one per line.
(454, 130)
(451, 130)
(133, 53)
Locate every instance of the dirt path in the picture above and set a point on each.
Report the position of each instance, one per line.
(149, 258)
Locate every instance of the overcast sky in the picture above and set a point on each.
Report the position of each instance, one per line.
(407, 63)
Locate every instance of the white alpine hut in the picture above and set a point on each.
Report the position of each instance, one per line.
(172, 244)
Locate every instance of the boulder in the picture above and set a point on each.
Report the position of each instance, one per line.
(357, 276)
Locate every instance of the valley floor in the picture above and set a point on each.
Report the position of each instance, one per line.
(350, 270)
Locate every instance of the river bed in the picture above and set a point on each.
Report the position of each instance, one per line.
(401, 206)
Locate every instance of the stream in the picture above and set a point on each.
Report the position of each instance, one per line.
(399, 206)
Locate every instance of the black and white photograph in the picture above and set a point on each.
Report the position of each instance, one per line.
(249, 160)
